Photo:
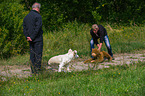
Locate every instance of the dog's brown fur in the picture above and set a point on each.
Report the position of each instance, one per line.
(98, 56)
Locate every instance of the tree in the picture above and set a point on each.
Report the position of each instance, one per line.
(12, 40)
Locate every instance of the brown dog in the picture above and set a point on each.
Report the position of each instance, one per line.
(98, 56)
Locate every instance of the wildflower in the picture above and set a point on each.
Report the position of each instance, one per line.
(119, 73)
(59, 93)
(14, 82)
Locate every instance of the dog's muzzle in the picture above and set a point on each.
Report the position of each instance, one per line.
(76, 56)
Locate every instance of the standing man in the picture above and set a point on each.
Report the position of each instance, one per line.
(32, 28)
(98, 31)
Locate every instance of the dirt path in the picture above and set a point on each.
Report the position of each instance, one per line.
(75, 65)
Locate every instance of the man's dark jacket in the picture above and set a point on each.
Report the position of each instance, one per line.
(32, 26)
(100, 34)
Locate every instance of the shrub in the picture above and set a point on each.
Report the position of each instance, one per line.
(12, 40)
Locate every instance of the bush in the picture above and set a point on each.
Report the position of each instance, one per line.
(12, 40)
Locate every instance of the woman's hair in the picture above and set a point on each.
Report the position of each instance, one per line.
(94, 26)
(36, 5)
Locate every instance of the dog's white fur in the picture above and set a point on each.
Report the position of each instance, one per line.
(63, 59)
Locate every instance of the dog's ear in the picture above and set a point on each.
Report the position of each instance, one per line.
(69, 50)
(75, 51)
(75, 54)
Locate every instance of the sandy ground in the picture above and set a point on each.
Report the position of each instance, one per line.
(75, 65)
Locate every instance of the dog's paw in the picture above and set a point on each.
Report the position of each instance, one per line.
(86, 61)
(92, 61)
(69, 71)
(59, 70)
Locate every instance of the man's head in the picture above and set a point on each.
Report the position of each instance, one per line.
(36, 6)
(95, 52)
(95, 28)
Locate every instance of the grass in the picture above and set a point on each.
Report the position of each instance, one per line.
(16, 60)
(115, 81)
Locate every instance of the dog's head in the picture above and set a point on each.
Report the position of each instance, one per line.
(95, 52)
(74, 53)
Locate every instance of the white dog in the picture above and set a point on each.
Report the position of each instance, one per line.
(63, 59)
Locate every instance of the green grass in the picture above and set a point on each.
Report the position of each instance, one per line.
(16, 60)
(115, 81)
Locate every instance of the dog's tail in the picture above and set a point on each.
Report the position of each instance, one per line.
(48, 63)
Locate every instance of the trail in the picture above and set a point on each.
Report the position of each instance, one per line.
(75, 65)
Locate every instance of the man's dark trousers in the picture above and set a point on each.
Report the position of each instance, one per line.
(36, 49)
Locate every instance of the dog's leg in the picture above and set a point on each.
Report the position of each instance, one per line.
(68, 68)
(89, 60)
(60, 66)
(101, 59)
(107, 56)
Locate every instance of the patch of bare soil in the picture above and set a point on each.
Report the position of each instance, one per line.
(75, 65)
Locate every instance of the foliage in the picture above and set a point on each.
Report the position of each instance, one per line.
(57, 14)
(12, 41)
(92, 11)
(121, 11)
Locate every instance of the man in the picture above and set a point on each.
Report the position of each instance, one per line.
(32, 29)
(98, 31)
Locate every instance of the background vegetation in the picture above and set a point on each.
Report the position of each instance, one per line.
(59, 14)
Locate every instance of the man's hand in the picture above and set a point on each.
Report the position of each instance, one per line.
(100, 45)
(29, 39)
